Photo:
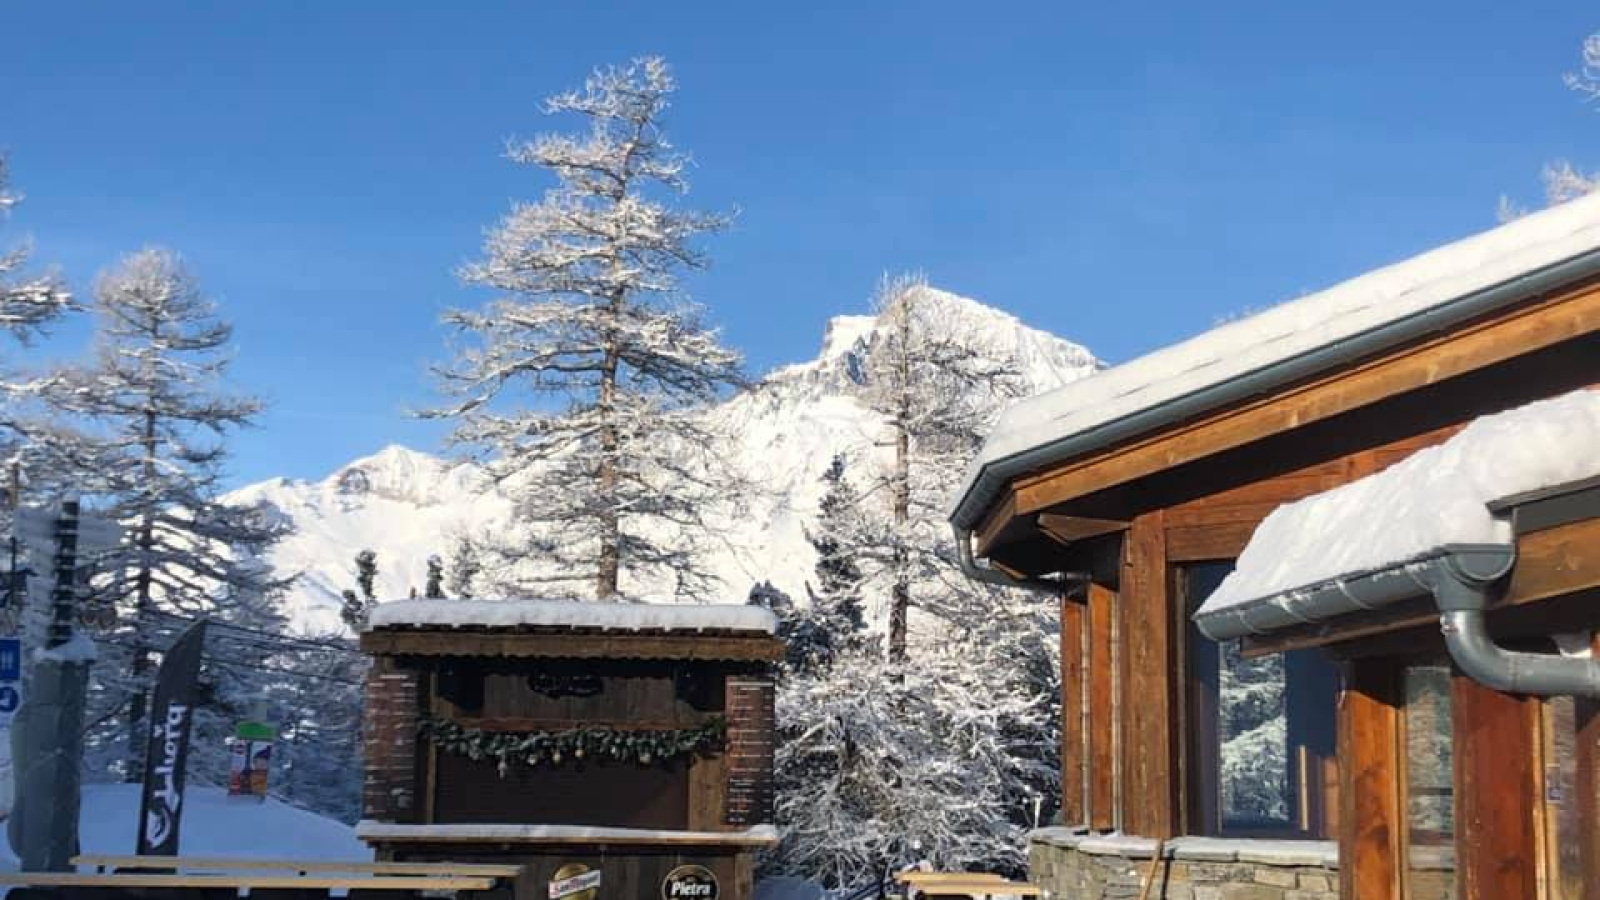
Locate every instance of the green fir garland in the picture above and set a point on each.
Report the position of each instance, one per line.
(533, 748)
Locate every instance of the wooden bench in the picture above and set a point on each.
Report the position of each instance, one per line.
(917, 876)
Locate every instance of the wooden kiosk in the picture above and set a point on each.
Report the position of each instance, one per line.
(1317, 738)
(619, 751)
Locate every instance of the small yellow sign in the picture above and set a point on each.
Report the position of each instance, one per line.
(575, 881)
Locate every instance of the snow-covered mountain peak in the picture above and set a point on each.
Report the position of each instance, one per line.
(405, 475)
(846, 334)
(407, 505)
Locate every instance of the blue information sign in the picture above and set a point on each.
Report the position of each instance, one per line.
(10, 659)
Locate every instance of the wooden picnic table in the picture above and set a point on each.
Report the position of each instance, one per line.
(442, 883)
(217, 876)
(918, 876)
(103, 862)
(968, 884)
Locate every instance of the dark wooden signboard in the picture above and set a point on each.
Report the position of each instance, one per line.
(750, 716)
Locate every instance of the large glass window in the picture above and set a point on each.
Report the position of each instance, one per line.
(1261, 741)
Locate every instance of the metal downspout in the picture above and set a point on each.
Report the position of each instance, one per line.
(986, 575)
(1461, 592)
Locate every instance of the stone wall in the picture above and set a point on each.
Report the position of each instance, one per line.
(389, 738)
(1072, 865)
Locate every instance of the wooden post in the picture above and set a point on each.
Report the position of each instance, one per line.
(1587, 784)
(1073, 784)
(1149, 679)
(1371, 822)
(1496, 750)
(1102, 713)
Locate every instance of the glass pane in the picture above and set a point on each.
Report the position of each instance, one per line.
(1430, 798)
(1253, 729)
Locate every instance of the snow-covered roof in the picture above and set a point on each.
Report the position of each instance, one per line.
(1436, 497)
(369, 830)
(1281, 334)
(563, 614)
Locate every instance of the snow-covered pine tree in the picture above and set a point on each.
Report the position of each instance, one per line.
(434, 590)
(28, 304)
(157, 389)
(48, 456)
(881, 764)
(367, 574)
(356, 608)
(834, 620)
(592, 317)
(936, 395)
(1562, 180)
(1586, 80)
(869, 744)
(464, 568)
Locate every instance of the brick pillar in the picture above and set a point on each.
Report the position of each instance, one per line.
(750, 726)
(389, 733)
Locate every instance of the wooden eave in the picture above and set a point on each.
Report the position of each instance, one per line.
(1539, 323)
(568, 643)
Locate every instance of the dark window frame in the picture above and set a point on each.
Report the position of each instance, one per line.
(1310, 685)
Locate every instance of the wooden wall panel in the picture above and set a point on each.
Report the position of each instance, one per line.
(1587, 784)
(1370, 817)
(1074, 703)
(1497, 839)
(1149, 748)
(1102, 711)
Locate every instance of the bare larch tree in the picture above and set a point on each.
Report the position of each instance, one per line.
(157, 388)
(936, 394)
(31, 436)
(581, 378)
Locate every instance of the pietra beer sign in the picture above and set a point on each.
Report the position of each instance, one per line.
(689, 883)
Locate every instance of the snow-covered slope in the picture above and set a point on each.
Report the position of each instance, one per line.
(406, 505)
(214, 825)
(400, 503)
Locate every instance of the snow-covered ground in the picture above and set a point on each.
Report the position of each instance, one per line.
(213, 825)
(406, 505)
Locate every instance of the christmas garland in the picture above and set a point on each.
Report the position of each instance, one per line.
(533, 748)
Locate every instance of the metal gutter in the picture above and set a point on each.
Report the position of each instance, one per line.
(986, 575)
(994, 476)
(1459, 578)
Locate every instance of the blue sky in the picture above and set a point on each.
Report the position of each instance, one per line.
(1120, 174)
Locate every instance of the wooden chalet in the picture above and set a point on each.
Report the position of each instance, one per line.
(615, 750)
(1384, 691)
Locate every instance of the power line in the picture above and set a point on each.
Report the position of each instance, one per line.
(276, 638)
(236, 664)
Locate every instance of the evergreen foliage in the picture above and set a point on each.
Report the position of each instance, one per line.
(434, 590)
(356, 608)
(464, 568)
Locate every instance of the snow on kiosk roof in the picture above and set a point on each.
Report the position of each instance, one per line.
(653, 617)
(1382, 308)
(546, 628)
